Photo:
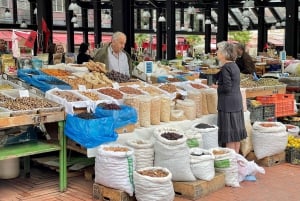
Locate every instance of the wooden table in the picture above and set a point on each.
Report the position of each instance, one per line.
(31, 148)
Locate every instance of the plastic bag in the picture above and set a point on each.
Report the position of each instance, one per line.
(126, 115)
(90, 132)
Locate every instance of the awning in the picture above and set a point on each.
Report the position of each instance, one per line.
(57, 37)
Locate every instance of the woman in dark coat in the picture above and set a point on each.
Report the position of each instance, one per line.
(230, 107)
(84, 53)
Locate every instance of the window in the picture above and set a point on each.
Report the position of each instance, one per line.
(58, 5)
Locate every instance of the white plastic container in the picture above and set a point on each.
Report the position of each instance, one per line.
(9, 168)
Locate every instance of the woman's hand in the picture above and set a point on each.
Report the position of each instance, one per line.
(215, 86)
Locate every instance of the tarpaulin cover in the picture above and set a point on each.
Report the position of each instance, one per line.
(90, 132)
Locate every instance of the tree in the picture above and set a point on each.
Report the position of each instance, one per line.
(242, 37)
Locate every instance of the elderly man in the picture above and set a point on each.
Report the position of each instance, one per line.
(114, 56)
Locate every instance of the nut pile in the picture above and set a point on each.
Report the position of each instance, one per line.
(117, 76)
(169, 88)
(171, 136)
(109, 106)
(151, 90)
(130, 90)
(27, 103)
(91, 95)
(153, 173)
(69, 96)
(111, 92)
(116, 149)
(86, 115)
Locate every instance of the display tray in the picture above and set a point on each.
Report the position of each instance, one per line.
(7, 85)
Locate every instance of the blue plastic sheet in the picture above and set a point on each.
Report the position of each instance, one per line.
(126, 115)
(46, 82)
(27, 74)
(90, 132)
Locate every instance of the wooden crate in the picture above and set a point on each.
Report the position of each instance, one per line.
(267, 161)
(264, 91)
(72, 145)
(195, 189)
(126, 129)
(104, 193)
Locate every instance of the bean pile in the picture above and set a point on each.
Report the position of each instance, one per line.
(86, 115)
(171, 136)
(116, 149)
(130, 90)
(27, 103)
(153, 173)
(91, 95)
(69, 96)
(111, 92)
(109, 106)
(197, 86)
(168, 87)
(202, 125)
(118, 77)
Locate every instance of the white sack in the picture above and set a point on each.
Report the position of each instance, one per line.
(202, 164)
(143, 152)
(173, 155)
(225, 161)
(268, 140)
(209, 136)
(115, 169)
(153, 188)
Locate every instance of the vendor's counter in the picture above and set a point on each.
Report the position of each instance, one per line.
(146, 133)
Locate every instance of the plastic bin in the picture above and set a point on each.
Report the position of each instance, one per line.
(10, 168)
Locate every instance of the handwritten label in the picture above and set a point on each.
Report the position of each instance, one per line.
(81, 87)
(24, 93)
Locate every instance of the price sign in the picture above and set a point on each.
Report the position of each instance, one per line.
(148, 66)
(24, 93)
(283, 55)
(81, 87)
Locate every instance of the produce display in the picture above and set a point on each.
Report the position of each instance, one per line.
(111, 92)
(171, 136)
(69, 96)
(26, 103)
(130, 90)
(169, 88)
(116, 149)
(96, 66)
(154, 173)
(248, 82)
(118, 77)
(97, 78)
(91, 95)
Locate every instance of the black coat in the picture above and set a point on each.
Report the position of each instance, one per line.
(229, 93)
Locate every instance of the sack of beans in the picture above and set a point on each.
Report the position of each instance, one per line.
(153, 183)
(202, 164)
(143, 152)
(171, 152)
(114, 166)
(209, 134)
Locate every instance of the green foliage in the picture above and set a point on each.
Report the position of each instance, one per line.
(193, 39)
(140, 38)
(242, 37)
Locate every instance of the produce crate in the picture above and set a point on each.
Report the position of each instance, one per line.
(268, 161)
(194, 190)
(284, 103)
(101, 192)
(256, 113)
(269, 111)
(292, 155)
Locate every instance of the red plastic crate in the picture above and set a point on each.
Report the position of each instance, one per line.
(284, 103)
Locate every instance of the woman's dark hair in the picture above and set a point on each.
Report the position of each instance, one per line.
(83, 47)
